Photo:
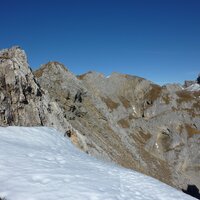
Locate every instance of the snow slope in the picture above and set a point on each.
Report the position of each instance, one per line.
(41, 164)
(193, 87)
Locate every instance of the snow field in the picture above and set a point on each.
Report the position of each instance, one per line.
(41, 164)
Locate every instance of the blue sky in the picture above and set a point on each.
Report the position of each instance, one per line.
(155, 39)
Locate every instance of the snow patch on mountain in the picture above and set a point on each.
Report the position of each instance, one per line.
(193, 87)
(40, 163)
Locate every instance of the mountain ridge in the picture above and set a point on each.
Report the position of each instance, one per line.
(123, 119)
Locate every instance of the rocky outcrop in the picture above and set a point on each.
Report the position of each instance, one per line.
(124, 119)
(22, 100)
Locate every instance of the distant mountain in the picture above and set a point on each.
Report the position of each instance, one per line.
(193, 85)
(122, 118)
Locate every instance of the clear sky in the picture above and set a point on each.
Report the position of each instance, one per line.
(156, 39)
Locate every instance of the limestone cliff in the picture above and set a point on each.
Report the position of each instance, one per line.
(22, 100)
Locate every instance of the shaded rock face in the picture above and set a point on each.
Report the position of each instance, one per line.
(198, 79)
(125, 119)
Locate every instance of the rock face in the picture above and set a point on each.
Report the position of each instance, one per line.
(124, 119)
(21, 96)
(22, 100)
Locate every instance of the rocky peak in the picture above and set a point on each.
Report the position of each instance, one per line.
(19, 90)
(55, 73)
(22, 100)
(15, 54)
(54, 67)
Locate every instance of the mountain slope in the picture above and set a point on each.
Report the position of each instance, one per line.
(40, 164)
(124, 119)
(131, 121)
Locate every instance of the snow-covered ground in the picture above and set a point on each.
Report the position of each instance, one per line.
(41, 164)
(193, 87)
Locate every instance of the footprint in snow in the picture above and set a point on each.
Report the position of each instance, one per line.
(60, 160)
(31, 155)
(40, 179)
(49, 158)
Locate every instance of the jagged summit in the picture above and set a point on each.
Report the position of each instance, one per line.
(11, 52)
(22, 100)
(124, 119)
(16, 55)
(20, 92)
(91, 73)
(52, 66)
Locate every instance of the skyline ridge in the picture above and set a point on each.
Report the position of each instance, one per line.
(157, 40)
